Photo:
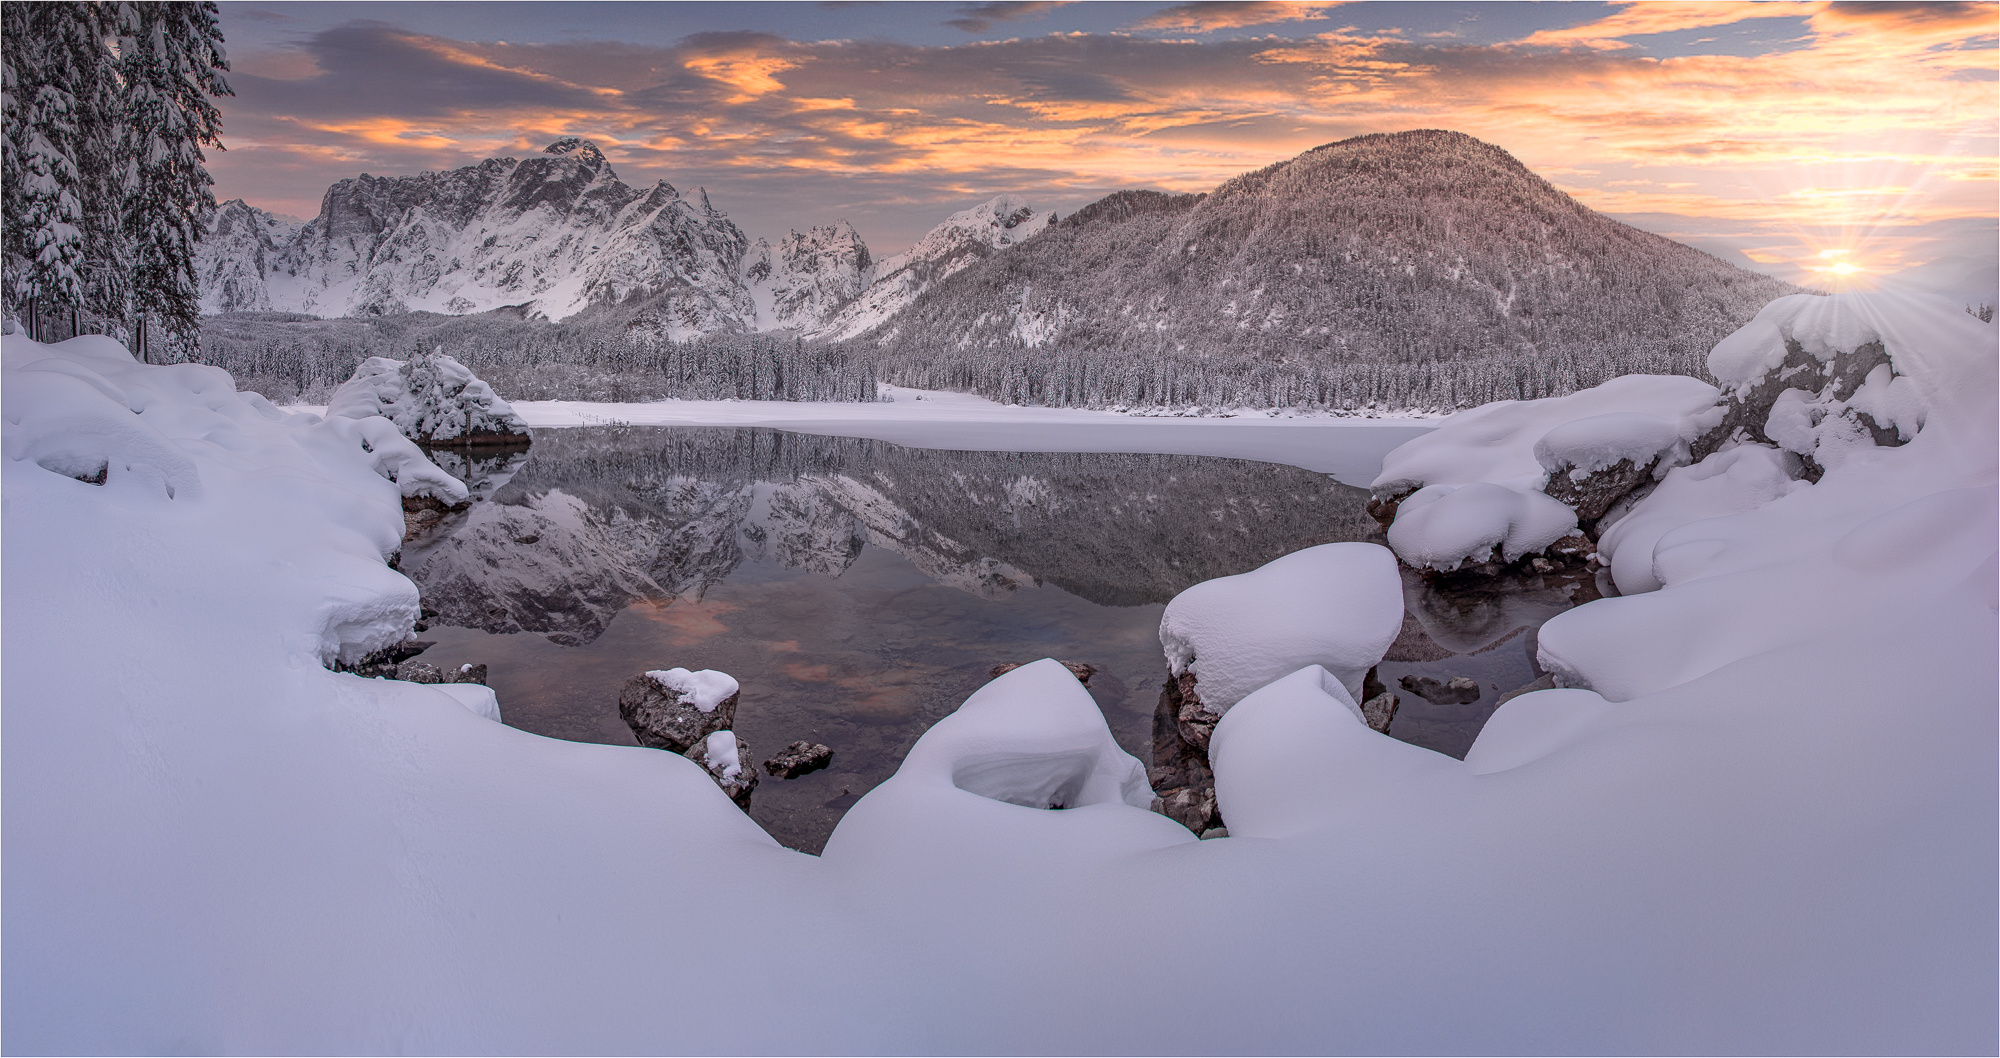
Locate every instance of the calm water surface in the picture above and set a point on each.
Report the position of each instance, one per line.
(859, 591)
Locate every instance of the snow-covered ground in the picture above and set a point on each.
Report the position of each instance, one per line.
(1769, 826)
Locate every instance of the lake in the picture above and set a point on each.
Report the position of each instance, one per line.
(859, 590)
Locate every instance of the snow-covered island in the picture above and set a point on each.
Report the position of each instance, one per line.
(1758, 814)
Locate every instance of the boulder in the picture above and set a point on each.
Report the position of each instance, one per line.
(797, 759)
(1183, 784)
(414, 671)
(726, 758)
(432, 399)
(467, 673)
(1459, 690)
(1380, 711)
(1081, 671)
(383, 662)
(672, 709)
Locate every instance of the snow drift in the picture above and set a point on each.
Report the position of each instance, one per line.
(1767, 825)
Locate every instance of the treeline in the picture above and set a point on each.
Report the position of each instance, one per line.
(1182, 380)
(291, 357)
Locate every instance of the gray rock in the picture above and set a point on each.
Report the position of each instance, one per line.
(1380, 710)
(1459, 690)
(1598, 490)
(467, 674)
(383, 662)
(666, 719)
(797, 759)
(737, 786)
(1081, 671)
(1183, 784)
(414, 671)
(1546, 682)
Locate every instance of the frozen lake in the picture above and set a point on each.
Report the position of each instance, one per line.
(859, 590)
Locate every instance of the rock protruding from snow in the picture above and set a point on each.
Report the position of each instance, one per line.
(1183, 785)
(1822, 377)
(1081, 671)
(672, 709)
(965, 238)
(433, 399)
(1335, 605)
(726, 758)
(799, 758)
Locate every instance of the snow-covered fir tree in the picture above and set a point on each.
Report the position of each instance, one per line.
(107, 109)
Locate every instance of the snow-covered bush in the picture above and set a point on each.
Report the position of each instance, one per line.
(1335, 605)
(432, 399)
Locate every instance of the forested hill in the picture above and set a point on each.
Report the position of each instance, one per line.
(1413, 269)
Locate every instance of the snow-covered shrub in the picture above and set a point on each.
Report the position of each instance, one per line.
(432, 399)
(1335, 605)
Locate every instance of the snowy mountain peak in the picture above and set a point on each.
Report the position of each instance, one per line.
(965, 237)
(582, 148)
(809, 277)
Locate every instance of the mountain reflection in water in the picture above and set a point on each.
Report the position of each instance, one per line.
(858, 590)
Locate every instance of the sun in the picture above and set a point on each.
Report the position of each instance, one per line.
(1836, 263)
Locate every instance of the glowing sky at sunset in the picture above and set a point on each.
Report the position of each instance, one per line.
(1814, 138)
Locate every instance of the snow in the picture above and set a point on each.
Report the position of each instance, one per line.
(430, 397)
(704, 690)
(1729, 482)
(1498, 443)
(1777, 833)
(1335, 605)
(476, 697)
(1585, 446)
(1443, 527)
(722, 758)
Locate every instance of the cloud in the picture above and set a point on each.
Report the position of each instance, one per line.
(978, 18)
(1665, 16)
(1205, 16)
(894, 135)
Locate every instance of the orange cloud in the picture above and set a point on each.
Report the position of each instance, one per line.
(1665, 16)
(1206, 16)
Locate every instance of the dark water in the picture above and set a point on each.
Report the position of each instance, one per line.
(859, 591)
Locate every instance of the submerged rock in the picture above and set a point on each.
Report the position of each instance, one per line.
(672, 709)
(797, 759)
(421, 514)
(726, 758)
(1459, 690)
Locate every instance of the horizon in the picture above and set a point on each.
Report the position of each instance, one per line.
(1810, 141)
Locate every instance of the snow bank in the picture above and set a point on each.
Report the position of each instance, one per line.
(477, 697)
(1335, 605)
(431, 398)
(1584, 446)
(1776, 833)
(1498, 443)
(704, 690)
(1729, 482)
(1443, 527)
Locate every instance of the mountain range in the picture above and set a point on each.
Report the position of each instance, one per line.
(1317, 280)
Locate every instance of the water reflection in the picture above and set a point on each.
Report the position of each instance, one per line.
(859, 590)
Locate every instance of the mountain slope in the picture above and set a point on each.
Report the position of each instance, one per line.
(1388, 250)
(965, 238)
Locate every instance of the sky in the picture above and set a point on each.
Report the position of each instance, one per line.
(1803, 139)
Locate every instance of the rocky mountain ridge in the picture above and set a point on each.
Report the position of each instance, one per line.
(560, 234)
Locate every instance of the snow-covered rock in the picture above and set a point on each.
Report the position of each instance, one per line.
(672, 709)
(1445, 527)
(432, 399)
(726, 758)
(1335, 605)
(1729, 482)
(964, 238)
(1824, 377)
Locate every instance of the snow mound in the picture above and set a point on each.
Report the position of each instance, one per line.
(1443, 527)
(432, 399)
(1584, 446)
(1335, 605)
(704, 689)
(1729, 482)
(1498, 442)
(476, 697)
(1746, 563)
